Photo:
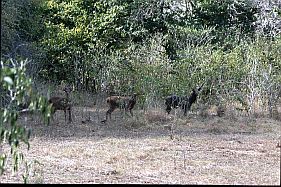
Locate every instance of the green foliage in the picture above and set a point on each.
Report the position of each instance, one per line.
(8, 25)
(233, 20)
(227, 75)
(21, 24)
(77, 32)
(15, 89)
(157, 47)
(82, 30)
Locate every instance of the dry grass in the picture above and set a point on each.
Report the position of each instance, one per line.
(139, 150)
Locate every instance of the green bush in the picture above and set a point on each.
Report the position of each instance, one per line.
(15, 88)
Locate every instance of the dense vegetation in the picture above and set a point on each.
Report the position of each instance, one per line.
(149, 46)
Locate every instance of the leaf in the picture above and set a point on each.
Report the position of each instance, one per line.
(8, 80)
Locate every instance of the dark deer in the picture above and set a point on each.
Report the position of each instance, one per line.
(62, 103)
(114, 102)
(185, 102)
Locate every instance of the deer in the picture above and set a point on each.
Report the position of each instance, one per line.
(62, 103)
(126, 102)
(185, 102)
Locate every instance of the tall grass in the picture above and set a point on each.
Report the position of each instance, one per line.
(247, 74)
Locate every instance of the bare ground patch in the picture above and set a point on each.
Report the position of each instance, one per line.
(152, 148)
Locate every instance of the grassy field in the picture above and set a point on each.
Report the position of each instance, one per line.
(151, 148)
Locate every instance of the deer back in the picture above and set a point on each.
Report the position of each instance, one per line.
(59, 103)
(118, 101)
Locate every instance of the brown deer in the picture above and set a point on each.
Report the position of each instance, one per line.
(62, 103)
(120, 102)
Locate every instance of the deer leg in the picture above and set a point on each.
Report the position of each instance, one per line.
(168, 109)
(131, 112)
(128, 108)
(64, 115)
(184, 109)
(69, 115)
(189, 106)
(124, 109)
(110, 110)
(53, 114)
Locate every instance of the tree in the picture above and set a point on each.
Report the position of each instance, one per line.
(232, 20)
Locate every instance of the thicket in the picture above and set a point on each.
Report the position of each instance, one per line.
(164, 47)
(150, 47)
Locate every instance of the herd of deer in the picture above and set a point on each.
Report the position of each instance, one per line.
(128, 103)
(125, 102)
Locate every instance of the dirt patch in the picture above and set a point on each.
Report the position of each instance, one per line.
(151, 148)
